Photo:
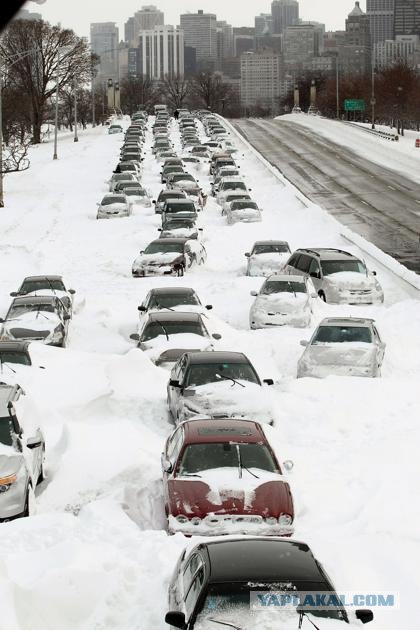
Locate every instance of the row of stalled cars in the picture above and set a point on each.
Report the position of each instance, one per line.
(40, 311)
(221, 477)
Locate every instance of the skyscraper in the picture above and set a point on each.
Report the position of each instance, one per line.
(147, 18)
(161, 52)
(302, 42)
(381, 18)
(407, 17)
(285, 13)
(356, 54)
(200, 32)
(264, 25)
(104, 42)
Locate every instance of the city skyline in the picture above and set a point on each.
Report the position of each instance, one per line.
(79, 14)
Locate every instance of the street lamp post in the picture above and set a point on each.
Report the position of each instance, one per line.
(76, 137)
(57, 89)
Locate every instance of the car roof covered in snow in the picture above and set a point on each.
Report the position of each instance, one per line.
(217, 356)
(223, 430)
(265, 559)
(35, 299)
(170, 241)
(172, 290)
(44, 277)
(286, 277)
(346, 321)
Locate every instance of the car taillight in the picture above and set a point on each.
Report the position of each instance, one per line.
(285, 520)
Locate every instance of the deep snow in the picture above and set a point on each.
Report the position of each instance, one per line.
(96, 556)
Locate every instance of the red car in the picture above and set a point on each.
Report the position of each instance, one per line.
(222, 477)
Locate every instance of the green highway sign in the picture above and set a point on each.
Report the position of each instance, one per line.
(354, 105)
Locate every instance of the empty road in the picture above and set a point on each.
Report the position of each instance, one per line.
(379, 204)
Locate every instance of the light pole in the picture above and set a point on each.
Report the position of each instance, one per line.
(76, 137)
(373, 98)
(57, 89)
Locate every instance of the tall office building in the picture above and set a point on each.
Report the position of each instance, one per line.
(224, 41)
(161, 52)
(104, 43)
(147, 18)
(404, 49)
(264, 25)
(260, 80)
(285, 13)
(301, 43)
(407, 17)
(356, 54)
(200, 32)
(381, 19)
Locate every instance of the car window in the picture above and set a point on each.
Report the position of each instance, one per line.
(342, 334)
(304, 263)
(194, 593)
(175, 443)
(293, 260)
(314, 267)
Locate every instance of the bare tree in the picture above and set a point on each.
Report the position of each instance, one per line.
(15, 154)
(175, 90)
(38, 55)
(136, 92)
(210, 89)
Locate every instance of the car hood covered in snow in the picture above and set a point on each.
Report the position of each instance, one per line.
(341, 354)
(351, 280)
(160, 258)
(33, 320)
(161, 349)
(284, 303)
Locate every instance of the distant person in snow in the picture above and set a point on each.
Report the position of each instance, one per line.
(176, 114)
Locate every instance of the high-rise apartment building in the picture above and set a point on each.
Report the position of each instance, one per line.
(301, 43)
(407, 17)
(104, 43)
(147, 18)
(381, 19)
(264, 25)
(260, 80)
(161, 52)
(285, 13)
(200, 32)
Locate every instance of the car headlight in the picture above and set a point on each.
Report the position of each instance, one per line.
(182, 519)
(196, 520)
(7, 482)
(271, 520)
(285, 520)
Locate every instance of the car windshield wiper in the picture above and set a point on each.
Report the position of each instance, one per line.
(225, 623)
(190, 475)
(291, 286)
(38, 312)
(168, 308)
(229, 378)
(240, 464)
(303, 615)
(163, 328)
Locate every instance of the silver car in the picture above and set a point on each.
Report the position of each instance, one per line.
(21, 458)
(282, 300)
(114, 205)
(338, 276)
(345, 346)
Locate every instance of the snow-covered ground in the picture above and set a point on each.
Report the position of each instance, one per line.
(96, 556)
(401, 156)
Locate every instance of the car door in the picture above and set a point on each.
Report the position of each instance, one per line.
(173, 448)
(380, 346)
(314, 273)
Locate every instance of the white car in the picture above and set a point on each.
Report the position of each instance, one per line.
(242, 211)
(230, 185)
(343, 347)
(282, 300)
(180, 227)
(121, 177)
(182, 181)
(234, 196)
(46, 285)
(42, 318)
(113, 205)
(267, 258)
(137, 196)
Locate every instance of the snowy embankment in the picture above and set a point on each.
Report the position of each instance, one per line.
(96, 556)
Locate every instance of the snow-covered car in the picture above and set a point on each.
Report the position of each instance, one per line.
(42, 318)
(115, 129)
(179, 208)
(46, 285)
(343, 347)
(166, 335)
(192, 162)
(234, 196)
(181, 182)
(113, 206)
(200, 151)
(242, 211)
(170, 169)
(180, 227)
(129, 167)
(182, 299)
(169, 256)
(137, 196)
(218, 384)
(121, 177)
(282, 300)
(223, 478)
(21, 458)
(230, 185)
(214, 582)
(164, 195)
(338, 276)
(267, 258)
(198, 197)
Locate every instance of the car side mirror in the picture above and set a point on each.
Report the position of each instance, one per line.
(315, 274)
(374, 273)
(174, 383)
(72, 291)
(135, 337)
(254, 293)
(33, 442)
(166, 464)
(209, 307)
(288, 465)
(248, 254)
(14, 294)
(304, 342)
(176, 619)
(216, 336)
(250, 189)
(364, 615)
(141, 308)
(1, 320)
(159, 229)
(268, 381)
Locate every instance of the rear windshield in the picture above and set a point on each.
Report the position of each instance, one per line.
(241, 457)
(180, 207)
(342, 334)
(10, 356)
(283, 286)
(29, 286)
(154, 329)
(216, 372)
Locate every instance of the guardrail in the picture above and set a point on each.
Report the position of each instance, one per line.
(374, 132)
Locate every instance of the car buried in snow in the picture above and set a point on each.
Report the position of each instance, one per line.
(282, 300)
(219, 385)
(179, 208)
(121, 177)
(137, 196)
(169, 256)
(180, 227)
(42, 318)
(267, 258)
(343, 346)
(46, 285)
(166, 335)
(182, 299)
(180, 181)
(113, 206)
(164, 195)
(215, 584)
(222, 477)
(21, 458)
(241, 211)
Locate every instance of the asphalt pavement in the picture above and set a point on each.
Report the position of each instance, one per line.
(381, 205)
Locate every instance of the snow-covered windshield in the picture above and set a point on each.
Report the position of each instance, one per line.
(183, 177)
(176, 225)
(270, 248)
(29, 286)
(6, 431)
(16, 311)
(199, 457)
(137, 192)
(343, 334)
(108, 201)
(283, 286)
(164, 248)
(338, 266)
(211, 373)
(9, 356)
(171, 300)
(154, 329)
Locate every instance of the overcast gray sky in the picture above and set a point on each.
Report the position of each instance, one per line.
(78, 14)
